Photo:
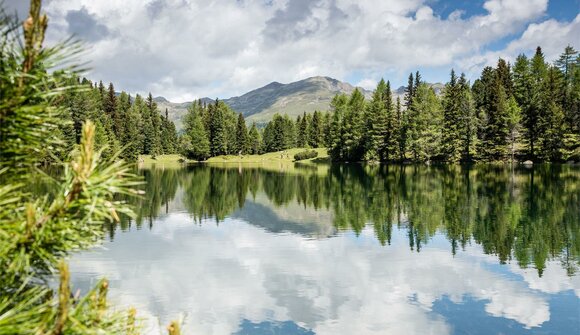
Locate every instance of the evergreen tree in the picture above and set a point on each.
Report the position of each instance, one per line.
(338, 106)
(132, 136)
(513, 118)
(552, 116)
(255, 141)
(316, 130)
(409, 92)
(391, 139)
(495, 133)
(300, 134)
(425, 130)
(402, 127)
(217, 129)
(38, 231)
(353, 127)
(451, 142)
(523, 93)
(376, 123)
(468, 121)
(533, 115)
(195, 142)
(242, 140)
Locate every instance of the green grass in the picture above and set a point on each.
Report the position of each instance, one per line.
(286, 156)
(279, 156)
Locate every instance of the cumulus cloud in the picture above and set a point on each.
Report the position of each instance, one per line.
(184, 49)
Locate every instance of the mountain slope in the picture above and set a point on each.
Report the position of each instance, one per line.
(293, 99)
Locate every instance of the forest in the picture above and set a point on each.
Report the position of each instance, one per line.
(526, 111)
(134, 125)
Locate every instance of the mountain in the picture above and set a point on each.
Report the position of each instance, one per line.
(295, 98)
(261, 104)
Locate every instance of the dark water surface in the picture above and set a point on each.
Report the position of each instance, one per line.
(349, 249)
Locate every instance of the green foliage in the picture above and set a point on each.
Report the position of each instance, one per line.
(195, 142)
(307, 154)
(425, 130)
(254, 140)
(242, 140)
(37, 231)
(279, 134)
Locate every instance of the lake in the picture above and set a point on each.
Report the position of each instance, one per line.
(348, 249)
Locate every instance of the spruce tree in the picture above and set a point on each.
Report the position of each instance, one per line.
(242, 140)
(255, 141)
(376, 123)
(495, 133)
(316, 130)
(468, 121)
(217, 129)
(196, 146)
(425, 130)
(523, 93)
(451, 142)
(336, 146)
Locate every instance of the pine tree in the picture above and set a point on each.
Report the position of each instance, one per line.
(523, 93)
(402, 133)
(468, 121)
(552, 116)
(409, 92)
(195, 144)
(568, 64)
(451, 142)
(425, 130)
(38, 231)
(242, 140)
(132, 135)
(217, 129)
(300, 134)
(376, 123)
(391, 139)
(495, 133)
(533, 115)
(513, 118)
(255, 141)
(338, 106)
(316, 130)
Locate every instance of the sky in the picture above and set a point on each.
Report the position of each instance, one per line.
(186, 49)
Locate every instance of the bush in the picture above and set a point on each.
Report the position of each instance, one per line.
(307, 154)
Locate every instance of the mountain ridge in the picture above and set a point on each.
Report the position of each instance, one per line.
(260, 104)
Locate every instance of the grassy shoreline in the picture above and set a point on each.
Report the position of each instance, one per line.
(286, 156)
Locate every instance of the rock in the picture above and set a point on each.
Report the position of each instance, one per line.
(528, 162)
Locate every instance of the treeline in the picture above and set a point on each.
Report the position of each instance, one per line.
(215, 129)
(528, 111)
(134, 125)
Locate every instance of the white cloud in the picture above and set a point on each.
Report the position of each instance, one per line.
(185, 49)
(551, 35)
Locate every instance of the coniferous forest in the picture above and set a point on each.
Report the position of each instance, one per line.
(529, 110)
(131, 125)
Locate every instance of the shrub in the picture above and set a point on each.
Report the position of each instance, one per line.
(307, 154)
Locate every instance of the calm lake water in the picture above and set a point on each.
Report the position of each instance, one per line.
(349, 249)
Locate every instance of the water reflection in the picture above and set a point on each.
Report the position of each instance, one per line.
(350, 250)
(527, 214)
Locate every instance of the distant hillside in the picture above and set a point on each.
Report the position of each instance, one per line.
(261, 104)
(293, 99)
